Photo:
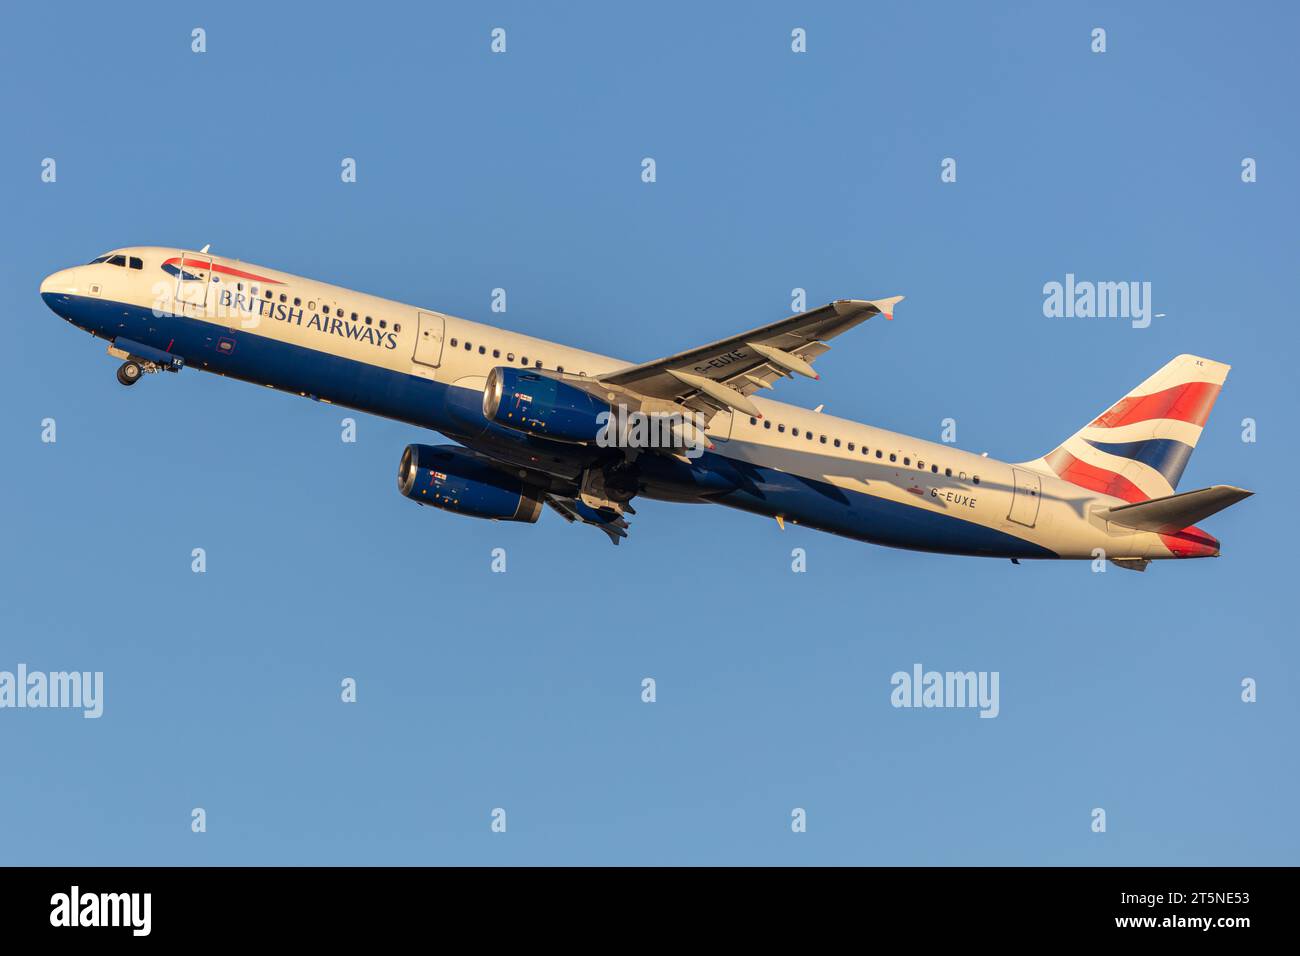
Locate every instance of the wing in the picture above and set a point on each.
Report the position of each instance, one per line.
(724, 373)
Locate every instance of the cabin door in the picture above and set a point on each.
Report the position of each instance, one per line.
(428, 339)
(1024, 500)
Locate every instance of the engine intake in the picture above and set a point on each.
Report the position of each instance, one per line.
(543, 406)
(453, 479)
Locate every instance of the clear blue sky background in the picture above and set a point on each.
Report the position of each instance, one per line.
(522, 690)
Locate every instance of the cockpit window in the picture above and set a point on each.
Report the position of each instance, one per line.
(98, 260)
(117, 261)
(137, 262)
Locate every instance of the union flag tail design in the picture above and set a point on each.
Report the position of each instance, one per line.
(1137, 449)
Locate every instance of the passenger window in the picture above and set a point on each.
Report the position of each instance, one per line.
(851, 448)
(397, 327)
(383, 323)
(823, 439)
(879, 453)
(837, 443)
(468, 347)
(482, 350)
(781, 429)
(920, 465)
(934, 469)
(523, 360)
(907, 461)
(893, 457)
(753, 421)
(297, 301)
(453, 343)
(270, 294)
(976, 479)
(962, 475)
(283, 297)
(510, 356)
(312, 306)
(947, 472)
(496, 353)
(137, 262)
(808, 435)
(767, 423)
(794, 432)
(369, 321)
(354, 316)
(560, 369)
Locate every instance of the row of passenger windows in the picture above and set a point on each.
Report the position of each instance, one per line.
(510, 356)
(866, 452)
(325, 309)
(135, 261)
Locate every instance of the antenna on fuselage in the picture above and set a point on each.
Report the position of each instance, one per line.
(206, 248)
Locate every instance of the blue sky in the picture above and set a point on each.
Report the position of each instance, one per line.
(522, 690)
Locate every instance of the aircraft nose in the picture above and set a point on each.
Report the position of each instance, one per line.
(61, 282)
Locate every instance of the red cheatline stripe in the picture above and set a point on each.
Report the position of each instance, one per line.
(1189, 402)
(1088, 476)
(224, 270)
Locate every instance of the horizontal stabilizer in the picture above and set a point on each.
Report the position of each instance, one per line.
(1175, 512)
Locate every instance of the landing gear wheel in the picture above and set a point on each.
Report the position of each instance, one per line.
(129, 373)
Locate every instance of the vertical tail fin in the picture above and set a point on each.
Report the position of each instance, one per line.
(1137, 449)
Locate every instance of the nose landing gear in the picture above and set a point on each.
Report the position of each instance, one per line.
(128, 373)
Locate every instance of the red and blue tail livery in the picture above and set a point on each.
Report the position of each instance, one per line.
(1139, 447)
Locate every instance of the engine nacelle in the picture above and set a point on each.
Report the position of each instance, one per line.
(451, 478)
(543, 406)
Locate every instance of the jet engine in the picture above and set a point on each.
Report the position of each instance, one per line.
(540, 405)
(455, 479)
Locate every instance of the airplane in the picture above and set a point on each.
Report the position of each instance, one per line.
(536, 423)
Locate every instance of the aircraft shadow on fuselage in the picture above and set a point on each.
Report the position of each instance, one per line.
(870, 472)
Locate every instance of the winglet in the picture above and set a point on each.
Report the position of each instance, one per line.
(886, 306)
